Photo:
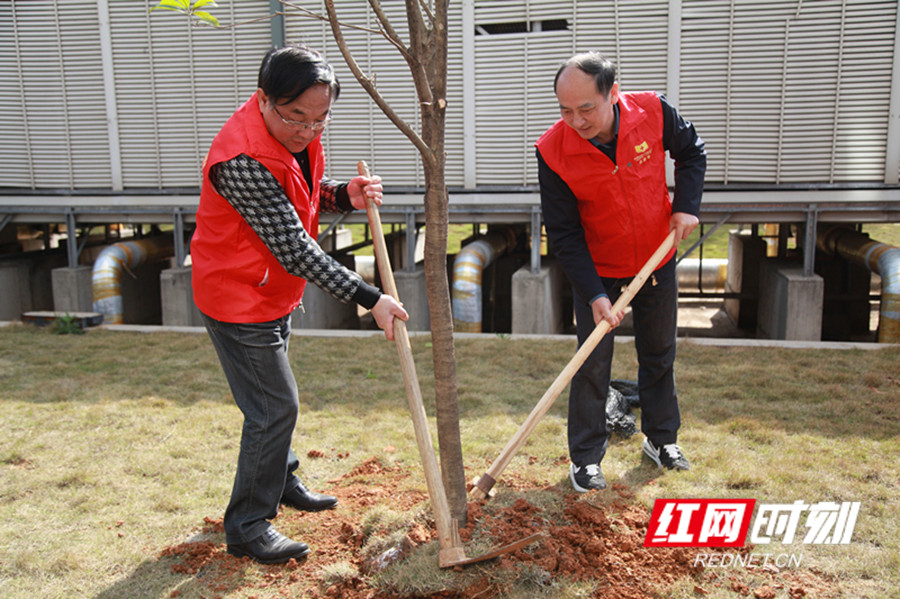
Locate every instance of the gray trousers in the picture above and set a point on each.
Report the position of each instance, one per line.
(654, 310)
(254, 359)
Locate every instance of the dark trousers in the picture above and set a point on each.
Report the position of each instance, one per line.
(254, 359)
(654, 311)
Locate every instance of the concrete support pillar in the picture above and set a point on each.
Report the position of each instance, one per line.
(399, 252)
(72, 289)
(537, 299)
(177, 296)
(790, 304)
(413, 294)
(745, 253)
(846, 309)
(15, 289)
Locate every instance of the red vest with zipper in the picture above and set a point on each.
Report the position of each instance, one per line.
(625, 208)
(235, 277)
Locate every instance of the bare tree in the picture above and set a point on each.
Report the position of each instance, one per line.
(425, 52)
(426, 55)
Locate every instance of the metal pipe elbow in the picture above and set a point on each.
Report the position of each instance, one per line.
(111, 263)
(468, 268)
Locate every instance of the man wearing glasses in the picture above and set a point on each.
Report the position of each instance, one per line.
(252, 253)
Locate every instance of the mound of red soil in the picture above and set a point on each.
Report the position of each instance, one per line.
(590, 545)
(600, 544)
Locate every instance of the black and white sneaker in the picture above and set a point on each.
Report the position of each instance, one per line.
(668, 456)
(587, 478)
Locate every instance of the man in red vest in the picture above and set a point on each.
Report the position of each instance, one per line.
(606, 208)
(252, 253)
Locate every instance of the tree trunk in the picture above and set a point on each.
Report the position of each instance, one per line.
(445, 388)
(433, 55)
(427, 59)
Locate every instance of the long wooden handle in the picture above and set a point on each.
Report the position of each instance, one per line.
(483, 485)
(448, 534)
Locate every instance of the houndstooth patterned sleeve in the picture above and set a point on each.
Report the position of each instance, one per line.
(259, 198)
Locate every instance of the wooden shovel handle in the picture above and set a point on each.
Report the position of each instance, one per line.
(483, 485)
(451, 550)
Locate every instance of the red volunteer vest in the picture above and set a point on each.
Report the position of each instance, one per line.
(235, 277)
(625, 208)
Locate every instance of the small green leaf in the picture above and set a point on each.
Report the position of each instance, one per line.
(179, 5)
(168, 8)
(202, 3)
(206, 17)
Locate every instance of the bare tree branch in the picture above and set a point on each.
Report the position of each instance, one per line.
(417, 26)
(369, 86)
(234, 25)
(387, 29)
(315, 15)
(415, 66)
(419, 42)
(427, 11)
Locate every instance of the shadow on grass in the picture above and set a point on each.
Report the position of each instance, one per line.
(150, 579)
(154, 578)
(219, 575)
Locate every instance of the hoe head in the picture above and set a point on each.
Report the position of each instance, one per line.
(456, 556)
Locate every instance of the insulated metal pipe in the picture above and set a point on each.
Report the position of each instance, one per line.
(708, 274)
(880, 258)
(468, 267)
(112, 262)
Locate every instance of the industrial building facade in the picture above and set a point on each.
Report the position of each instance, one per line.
(107, 96)
(107, 108)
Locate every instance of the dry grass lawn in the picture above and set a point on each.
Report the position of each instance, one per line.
(114, 445)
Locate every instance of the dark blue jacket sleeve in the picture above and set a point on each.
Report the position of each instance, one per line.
(689, 153)
(559, 209)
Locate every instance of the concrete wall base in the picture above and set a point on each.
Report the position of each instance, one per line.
(337, 239)
(177, 296)
(413, 294)
(15, 289)
(790, 304)
(72, 289)
(537, 299)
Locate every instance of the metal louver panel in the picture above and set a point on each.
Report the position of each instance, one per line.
(633, 34)
(15, 142)
(54, 123)
(788, 92)
(783, 92)
(176, 84)
(455, 117)
(513, 87)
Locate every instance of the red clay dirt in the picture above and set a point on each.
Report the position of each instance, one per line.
(602, 545)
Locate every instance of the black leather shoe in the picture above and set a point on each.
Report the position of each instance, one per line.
(271, 547)
(305, 500)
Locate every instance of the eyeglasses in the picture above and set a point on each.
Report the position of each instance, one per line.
(315, 126)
